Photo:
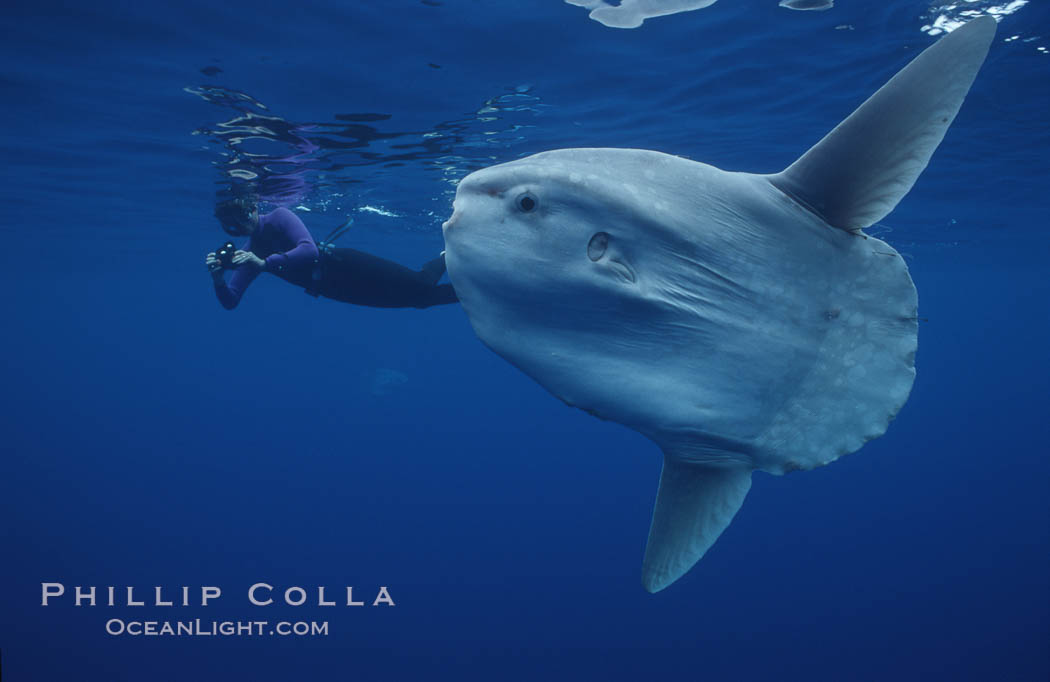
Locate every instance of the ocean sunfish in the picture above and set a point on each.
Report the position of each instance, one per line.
(739, 321)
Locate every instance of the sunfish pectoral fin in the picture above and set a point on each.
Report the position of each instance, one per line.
(861, 169)
(694, 505)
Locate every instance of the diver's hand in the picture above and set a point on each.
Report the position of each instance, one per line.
(214, 265)
(249, 259)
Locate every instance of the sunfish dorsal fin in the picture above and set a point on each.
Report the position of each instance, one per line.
(861, 169)
(694, 505)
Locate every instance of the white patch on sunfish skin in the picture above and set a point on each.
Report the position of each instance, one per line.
(631, 13)
(739, 321)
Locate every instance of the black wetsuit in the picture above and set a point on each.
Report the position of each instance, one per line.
(357, 277)
(344, 275)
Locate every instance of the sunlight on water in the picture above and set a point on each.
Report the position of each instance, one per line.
(316, 164)
(946, 17)
(631, 13)
(377, 210)
(807, 5)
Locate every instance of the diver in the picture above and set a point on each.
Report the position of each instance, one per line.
(280, 244)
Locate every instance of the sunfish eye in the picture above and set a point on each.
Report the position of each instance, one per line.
(526, 202)
(596, 247)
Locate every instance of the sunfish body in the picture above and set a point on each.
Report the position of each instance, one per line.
(739, 321)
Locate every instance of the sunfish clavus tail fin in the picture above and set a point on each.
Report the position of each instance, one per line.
(860, 170)
(694, 505)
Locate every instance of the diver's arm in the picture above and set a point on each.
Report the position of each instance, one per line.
(304, 250)
(229, 295)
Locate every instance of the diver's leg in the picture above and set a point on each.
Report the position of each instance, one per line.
(436, 294)
(433, 270)
(361, 278)
(442, 294)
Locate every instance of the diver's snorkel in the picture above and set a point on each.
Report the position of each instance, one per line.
(328, 243)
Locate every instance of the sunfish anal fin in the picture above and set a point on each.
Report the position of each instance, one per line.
(694, 505)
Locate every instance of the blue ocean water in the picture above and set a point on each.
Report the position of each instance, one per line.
(152, 438)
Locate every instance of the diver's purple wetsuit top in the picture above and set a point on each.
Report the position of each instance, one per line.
(286, 245)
